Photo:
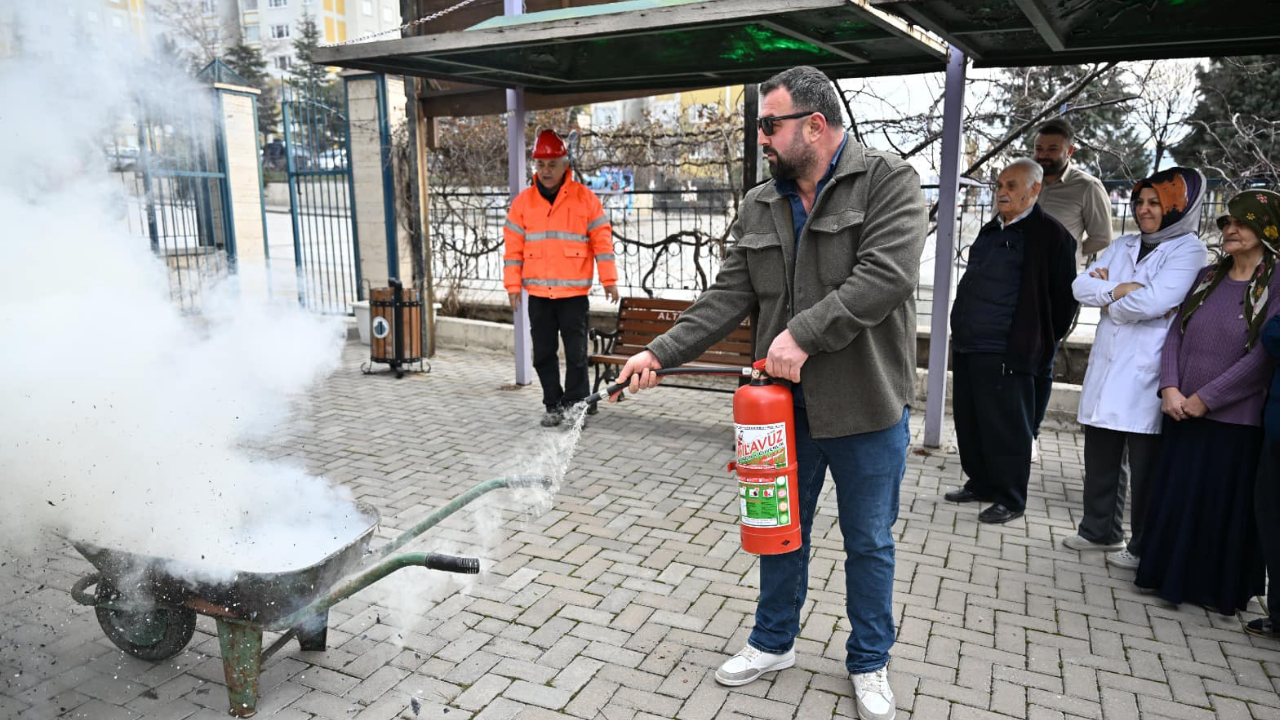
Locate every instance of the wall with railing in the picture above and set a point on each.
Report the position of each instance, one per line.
(670, 243)
(667, 243)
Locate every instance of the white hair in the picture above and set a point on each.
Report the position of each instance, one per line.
(1034, 172)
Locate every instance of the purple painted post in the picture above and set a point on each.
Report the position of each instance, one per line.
(517, 179)
(945, 250)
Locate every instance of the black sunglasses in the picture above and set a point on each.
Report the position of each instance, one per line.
(766, 123)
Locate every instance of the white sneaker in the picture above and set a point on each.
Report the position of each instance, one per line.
(750, 664)
(873, 696)
(1075, 542)
(1123, 559)
(1035, 450)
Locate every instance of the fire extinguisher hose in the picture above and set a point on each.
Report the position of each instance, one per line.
(742, 372)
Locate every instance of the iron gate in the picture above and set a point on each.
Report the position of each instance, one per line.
(317, 148)
(178, 190)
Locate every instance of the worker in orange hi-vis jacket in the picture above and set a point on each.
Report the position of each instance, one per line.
(556, 230)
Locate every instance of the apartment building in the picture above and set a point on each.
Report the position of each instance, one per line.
(273, 24)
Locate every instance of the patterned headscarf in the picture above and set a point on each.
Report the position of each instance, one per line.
(1181, 191)
(1259, 210)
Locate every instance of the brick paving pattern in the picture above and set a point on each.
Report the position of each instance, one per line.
(618, 602)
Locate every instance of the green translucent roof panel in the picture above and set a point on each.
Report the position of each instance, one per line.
(1044, 32)
(658, 44)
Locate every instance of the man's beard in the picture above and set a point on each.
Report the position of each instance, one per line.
(1053, 167)
(782, 168)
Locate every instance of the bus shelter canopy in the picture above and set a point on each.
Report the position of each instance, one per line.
(644, 46)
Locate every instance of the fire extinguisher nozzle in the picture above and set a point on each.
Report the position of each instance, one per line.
(610, 390)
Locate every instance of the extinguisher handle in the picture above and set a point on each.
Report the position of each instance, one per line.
(759, 364)
(610, 390)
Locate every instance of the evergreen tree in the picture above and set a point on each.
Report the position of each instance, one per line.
(249, 64)
(319, 100)
(1234, 131)
(304, 49)
(1108, 145)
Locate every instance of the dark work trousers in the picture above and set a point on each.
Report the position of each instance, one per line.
(1113, 462)
(1044, 388)
(1266, 507)
(993, 409)
(550, 321)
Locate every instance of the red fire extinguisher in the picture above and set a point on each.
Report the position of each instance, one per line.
(764, 425)
(765, 437)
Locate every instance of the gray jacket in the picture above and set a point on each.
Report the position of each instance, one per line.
(851, 305)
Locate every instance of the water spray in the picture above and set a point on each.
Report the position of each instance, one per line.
(765, 441)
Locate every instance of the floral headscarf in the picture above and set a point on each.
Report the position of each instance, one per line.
(1259, 210)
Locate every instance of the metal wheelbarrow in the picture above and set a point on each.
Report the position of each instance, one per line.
(151, 614)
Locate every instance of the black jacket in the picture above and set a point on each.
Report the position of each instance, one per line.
(1044, 306)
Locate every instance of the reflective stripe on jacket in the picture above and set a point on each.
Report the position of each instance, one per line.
(549, 247)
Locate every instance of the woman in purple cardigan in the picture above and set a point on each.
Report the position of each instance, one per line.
(1200, 543)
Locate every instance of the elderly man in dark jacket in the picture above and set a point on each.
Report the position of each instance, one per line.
(1013, 305)
(826, 261)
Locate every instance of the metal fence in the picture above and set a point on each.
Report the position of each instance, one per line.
(669, 244)
(175, 188)
(315, 159)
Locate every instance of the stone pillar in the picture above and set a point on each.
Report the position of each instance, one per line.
(382, 243)
(237, 114)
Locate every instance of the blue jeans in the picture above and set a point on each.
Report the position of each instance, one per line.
(868, 470)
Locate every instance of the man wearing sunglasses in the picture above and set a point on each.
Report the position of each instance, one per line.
(826, 262)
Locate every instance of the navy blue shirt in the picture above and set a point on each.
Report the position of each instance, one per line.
(799, 216)
(988, 292)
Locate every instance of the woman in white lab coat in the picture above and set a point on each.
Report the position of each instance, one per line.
(1138, 282)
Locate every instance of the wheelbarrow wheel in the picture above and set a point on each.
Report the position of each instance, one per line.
(155, 634)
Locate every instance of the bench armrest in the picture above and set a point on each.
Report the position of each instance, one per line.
(602, 342)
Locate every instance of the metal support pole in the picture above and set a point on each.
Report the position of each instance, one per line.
(750, 151)
(944, 251)
(517, 180)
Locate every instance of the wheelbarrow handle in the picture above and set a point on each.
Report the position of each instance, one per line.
(516, 481)
(369, 576)
(452, 563)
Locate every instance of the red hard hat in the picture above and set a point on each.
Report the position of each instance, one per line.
(549, 145)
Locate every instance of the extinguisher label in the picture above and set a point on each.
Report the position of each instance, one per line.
(764, 502)
(762, 445)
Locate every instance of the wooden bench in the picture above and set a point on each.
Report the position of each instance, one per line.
(640, 320)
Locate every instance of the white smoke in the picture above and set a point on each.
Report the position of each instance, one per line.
(123, 420)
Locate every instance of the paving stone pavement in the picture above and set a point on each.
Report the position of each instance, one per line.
(618, 601)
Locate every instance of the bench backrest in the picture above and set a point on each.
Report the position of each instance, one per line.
(640, 320)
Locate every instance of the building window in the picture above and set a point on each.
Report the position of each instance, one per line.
(248, 5)
(277, 3)
(117, 21)
(209, 7)
(367, 7)
(279, 31)
(283, 62)
(252, 33)
(390, 15)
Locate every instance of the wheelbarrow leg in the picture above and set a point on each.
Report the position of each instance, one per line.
(314, 633)
(242, 662)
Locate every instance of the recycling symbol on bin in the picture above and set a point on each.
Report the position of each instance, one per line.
(381, 328)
